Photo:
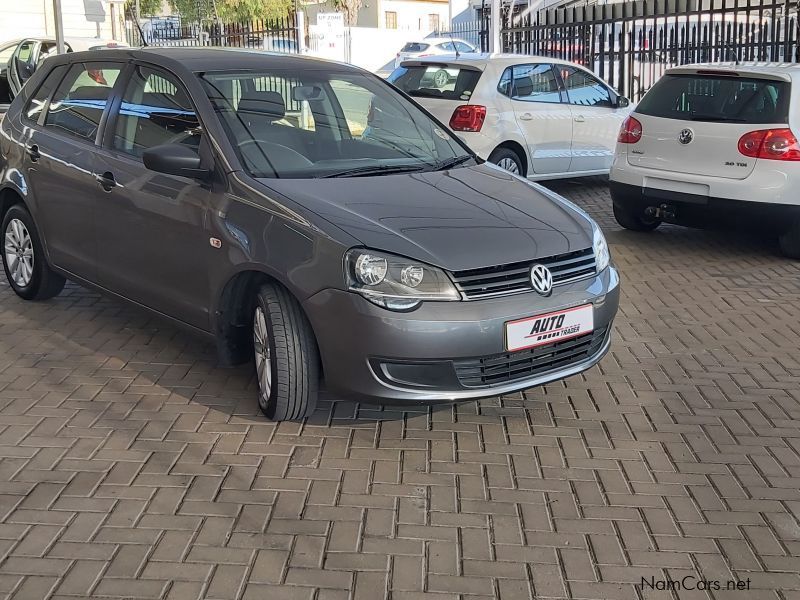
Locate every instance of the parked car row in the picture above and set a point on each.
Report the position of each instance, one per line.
(305, 215)
(19, 59)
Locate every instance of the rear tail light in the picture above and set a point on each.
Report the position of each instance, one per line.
(630, 132)
(469, 117)
(771, 144)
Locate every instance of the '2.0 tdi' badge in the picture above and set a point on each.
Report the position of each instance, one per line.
(686, 136)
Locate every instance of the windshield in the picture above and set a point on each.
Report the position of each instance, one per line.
(324, 124)
(450, 82)
(704, 97)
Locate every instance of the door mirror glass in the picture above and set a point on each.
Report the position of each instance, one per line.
(174, 159)
(622, 102)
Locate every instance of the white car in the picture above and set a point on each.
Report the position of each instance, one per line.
(433, 46)
(539, 117)
(710, 144)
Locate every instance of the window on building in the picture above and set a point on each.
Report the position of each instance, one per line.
(433, 22)
(391, 20)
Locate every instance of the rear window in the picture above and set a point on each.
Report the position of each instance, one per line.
(449, 82)
(414, 47)
(717, 99)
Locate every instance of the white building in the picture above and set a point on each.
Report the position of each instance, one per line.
(82, 18)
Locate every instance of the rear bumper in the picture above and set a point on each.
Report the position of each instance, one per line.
(705, 211)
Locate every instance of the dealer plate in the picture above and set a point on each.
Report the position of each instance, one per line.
(548, 328)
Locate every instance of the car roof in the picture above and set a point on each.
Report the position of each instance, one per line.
(215, 59)
(482, 59)
(783, 71)
(439, 40)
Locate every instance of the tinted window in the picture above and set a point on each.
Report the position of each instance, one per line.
(584, 89)
(462, 47)
(155, 110)
(316, 123)
(534, 83)
(451, 82)
(24, 52)
(414, 47)
(81, 98)
(709, 98)
(37, 102)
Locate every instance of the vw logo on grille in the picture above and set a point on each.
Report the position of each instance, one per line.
(542, 279)
(686, 136)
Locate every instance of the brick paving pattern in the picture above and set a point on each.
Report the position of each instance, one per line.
(132, 467)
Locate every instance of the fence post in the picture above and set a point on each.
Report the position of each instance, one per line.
(300, 30)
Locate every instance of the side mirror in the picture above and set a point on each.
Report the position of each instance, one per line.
(174, 159)
(622, 102)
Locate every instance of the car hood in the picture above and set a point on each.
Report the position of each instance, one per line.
(463, 218)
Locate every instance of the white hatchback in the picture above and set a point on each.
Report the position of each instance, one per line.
(433, 46)
(539, 117)
(713, 144)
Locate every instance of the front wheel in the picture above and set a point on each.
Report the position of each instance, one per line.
(507, 159)
(24, 262)
(286, 356)
(633, 218)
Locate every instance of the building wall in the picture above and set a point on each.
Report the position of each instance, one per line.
(34, 18)
(414, 14)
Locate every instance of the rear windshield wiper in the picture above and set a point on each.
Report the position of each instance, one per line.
(452, 162)
(374, 170)
(717, 118)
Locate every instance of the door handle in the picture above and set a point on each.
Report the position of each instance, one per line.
(526, 116)
(106, 181)
(580, 119)
(33, 152)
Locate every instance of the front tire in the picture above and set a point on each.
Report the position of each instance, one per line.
(286, 356)
(633, 218)
(24, 261)
(507, 159)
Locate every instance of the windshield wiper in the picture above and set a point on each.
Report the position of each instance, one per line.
(374, 170)
(452, 162)
(717, 118)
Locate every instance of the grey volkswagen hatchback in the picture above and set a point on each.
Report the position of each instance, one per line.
(307, 216)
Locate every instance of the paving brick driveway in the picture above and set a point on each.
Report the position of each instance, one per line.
(133, 467)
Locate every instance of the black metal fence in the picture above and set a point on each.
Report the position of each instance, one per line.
(277, 35)
(630, 44)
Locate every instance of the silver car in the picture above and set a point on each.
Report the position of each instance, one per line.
(235, 193)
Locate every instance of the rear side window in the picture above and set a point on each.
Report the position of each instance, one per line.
(155, 110)
(450, 82)
(37, 102)
(531, 83)
(81, 98)
(415, 47)
(718, 99)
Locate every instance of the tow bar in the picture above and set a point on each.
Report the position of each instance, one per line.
(665, 212)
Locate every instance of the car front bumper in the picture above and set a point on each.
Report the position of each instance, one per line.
(437, 352)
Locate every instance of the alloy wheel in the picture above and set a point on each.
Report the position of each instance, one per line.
(261, 344)
(19, 252)
(508, 164)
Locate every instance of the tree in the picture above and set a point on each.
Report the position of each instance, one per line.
(147, 8)
(248, 10)
(350, 9)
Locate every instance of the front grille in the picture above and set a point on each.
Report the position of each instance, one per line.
(523, 364)
(516, 277)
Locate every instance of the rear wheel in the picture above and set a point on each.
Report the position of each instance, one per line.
(789, 241)
(633, 218)
(286, 357)
(24, 262)
(507, 159)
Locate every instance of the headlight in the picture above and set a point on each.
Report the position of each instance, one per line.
(601, 254)
(395, 282)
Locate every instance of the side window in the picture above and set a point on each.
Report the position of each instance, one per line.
(504, 87)
(39, 99)
(81, 98)
(585, 89)
(356, 104)
(46, 50)
(447, 46)
(155, 110)
(535, 83)
(24, 51)
(462, 47)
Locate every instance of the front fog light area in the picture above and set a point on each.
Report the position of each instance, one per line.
(395, 282)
